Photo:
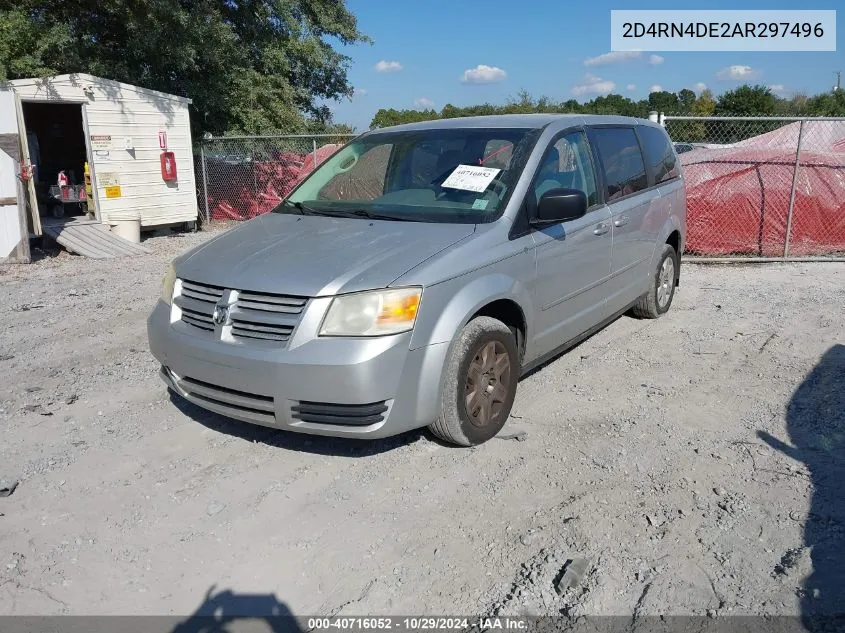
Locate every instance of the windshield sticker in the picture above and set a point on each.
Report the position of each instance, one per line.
(481, 204)
(471, 178)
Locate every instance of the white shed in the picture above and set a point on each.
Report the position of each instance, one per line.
(124, 150)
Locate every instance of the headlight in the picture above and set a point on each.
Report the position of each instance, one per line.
(167, 285)
(373, 313)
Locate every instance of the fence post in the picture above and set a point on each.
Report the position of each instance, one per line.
(204, 184)
(652, 116)
(792, 193)
(314, 141)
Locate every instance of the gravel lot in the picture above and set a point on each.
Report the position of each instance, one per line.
(695, 463)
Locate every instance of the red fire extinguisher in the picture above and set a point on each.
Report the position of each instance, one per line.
(62, 179)
(25, 172)
(168, 166)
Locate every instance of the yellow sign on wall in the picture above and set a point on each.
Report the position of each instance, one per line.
(113, 192)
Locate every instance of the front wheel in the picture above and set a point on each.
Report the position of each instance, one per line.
(659, 298)
(480, 383)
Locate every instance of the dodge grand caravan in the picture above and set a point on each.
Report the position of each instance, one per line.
(414, 276)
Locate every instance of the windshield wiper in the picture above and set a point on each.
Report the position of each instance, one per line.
(302, 208)
(363, 213)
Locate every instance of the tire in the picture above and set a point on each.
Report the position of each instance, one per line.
(659, 299)
(471, 415)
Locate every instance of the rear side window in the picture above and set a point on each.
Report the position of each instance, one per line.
(623, 161)
(661, 160)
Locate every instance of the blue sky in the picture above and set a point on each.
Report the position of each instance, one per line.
(423, 50)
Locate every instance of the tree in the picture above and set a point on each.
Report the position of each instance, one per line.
(254, 66)
(705, 105)
(696, 131)
(686, 99)
(829, 104)
(747, 101)
(663, 101)
(389, 117)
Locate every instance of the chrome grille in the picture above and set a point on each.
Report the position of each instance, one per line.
(266, 317)
(196, 301)
(261, 318)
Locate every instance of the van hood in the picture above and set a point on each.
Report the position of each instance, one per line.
(316, 255)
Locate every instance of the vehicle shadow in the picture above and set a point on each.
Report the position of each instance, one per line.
(815, 420)
(289, 440)
(568, 349)
(229, 612)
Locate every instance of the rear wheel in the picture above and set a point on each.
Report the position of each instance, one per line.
(659, 299)
(479, 385)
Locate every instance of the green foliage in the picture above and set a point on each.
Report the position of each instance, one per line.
(747, 101)
(831, 104)
(524, 103)
(743, 101)
(253, 66)
(686, 100)
(705, 105)
(664, 101)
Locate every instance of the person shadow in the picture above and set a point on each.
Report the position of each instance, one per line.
(230, 612)
(815, 420)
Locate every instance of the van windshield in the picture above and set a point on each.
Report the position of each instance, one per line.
(438, 175)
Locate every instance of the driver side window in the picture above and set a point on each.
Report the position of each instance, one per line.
(567, 165)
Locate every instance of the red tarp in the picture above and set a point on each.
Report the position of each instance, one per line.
(738, 196)
(240, 191)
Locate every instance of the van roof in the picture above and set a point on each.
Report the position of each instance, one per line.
(529, 121)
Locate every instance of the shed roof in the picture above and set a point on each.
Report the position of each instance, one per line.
(77, 78)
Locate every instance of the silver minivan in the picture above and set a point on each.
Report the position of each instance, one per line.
(416, 274)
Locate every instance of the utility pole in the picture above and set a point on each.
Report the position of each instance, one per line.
(838, 85)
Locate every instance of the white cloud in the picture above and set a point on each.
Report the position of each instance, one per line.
(422, 102)
(700, 87)
(612, 58)
(388, 67)
(656, 60)
(655, 88)
(483, 74)
(593, 85)
(359, 92)
(631, 87)
(779, 88)
(737, 73)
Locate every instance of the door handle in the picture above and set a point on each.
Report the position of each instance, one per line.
(601, 229)
(621, 221)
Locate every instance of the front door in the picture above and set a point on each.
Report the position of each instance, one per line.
(573, 258)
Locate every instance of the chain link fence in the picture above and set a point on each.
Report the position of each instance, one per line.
(756, 187)
(240, 177)
(763, 187)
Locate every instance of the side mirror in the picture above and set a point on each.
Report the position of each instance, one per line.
(560, 205)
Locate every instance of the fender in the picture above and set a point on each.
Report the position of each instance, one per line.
(442, 320)
(461, 303)
(672, 224)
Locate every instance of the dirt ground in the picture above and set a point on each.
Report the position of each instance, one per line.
(694, 463)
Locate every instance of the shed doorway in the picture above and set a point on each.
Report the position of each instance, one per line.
(58, 153)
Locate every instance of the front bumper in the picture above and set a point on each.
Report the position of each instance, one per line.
(341, 387)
